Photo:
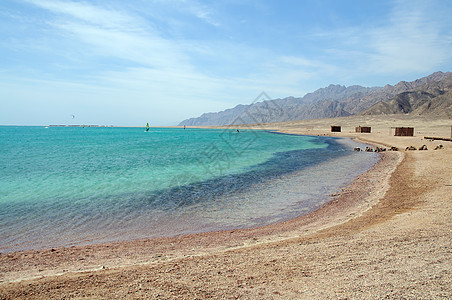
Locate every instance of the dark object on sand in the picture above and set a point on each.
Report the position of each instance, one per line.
(404, 131)
(360, 129)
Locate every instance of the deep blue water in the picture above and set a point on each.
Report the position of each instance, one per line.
(63, 186)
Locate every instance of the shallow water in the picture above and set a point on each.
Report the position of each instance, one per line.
(63, 186)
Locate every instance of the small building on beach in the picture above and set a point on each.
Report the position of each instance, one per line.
(360, 129)
(335, 128)
(404, 131)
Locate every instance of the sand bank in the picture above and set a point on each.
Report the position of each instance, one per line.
(387, 234)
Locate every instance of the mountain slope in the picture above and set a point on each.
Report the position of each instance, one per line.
(419, 96)
(431, 98)
(403, 103)
(323, 103)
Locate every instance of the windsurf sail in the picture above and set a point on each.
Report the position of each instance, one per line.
(147, 126)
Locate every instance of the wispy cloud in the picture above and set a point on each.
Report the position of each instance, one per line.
(161, 63)
(200, 11)
(411, 42)
(114, 34)
(92, 14)
(191, 56)
(410, 39)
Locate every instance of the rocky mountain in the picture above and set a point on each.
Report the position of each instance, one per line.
(323, 103)
(422, 96)
(427, 98)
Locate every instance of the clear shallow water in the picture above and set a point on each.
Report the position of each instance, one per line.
(63, 186)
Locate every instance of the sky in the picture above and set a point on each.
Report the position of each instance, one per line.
(125, 63)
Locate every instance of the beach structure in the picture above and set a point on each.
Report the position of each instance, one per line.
(335, 128)
(404, 131)
(360, 129)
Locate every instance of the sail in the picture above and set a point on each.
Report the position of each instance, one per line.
(147, 126)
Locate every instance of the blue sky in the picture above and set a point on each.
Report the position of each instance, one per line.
(160, 61)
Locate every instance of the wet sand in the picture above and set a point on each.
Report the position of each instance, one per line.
(388, 234)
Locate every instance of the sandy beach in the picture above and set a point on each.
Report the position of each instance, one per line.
(387, 235)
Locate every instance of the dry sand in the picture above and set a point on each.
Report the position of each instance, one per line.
(388, 234)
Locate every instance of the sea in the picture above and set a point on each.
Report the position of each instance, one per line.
(66, 186)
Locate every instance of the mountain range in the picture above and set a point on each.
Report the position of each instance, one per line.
(430, 95)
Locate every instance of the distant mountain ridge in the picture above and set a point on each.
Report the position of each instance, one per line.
(429, 98)
(428, 95)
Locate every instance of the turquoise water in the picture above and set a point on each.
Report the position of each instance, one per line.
(63, 186)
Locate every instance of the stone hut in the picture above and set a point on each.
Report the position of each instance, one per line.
(360, 129)
(404, 131)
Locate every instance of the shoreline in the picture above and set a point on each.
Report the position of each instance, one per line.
(359, 164)
(325, 216)
(366, 211)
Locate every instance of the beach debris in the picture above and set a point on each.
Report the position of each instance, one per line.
(380, 149)
(424, 147)
(357, 149)
(410, 148)
(439, 147)
(437, 139)
(369, 149)
(393, 149)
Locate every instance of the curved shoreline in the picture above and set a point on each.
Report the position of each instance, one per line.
(379, 238)
(259, 182)
(352, 201)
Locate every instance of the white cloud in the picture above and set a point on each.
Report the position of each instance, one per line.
(213, 67)
(124, 55)
(200, 11)
(413, 39)
(109, 33)
(106, 18)
(411, 42)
